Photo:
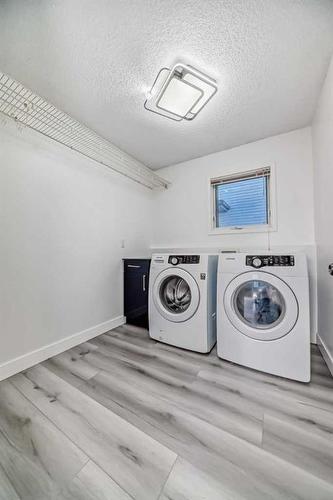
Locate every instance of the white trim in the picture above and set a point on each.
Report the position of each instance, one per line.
(328, 357)
(262, 228)
(25, 361)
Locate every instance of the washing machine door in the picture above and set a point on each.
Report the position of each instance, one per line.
(261, 305)
(176, 294)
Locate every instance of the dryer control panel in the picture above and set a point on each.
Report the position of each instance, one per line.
(258, 261)
(183, 259)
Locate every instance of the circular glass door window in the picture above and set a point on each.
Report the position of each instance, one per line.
(259, 304)
(175, 294)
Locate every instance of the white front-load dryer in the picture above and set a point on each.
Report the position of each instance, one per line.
(263, 313)
(182, 300)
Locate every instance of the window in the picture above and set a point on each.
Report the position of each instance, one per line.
(242, 201)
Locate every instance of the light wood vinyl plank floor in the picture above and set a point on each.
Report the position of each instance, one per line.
(123, 417)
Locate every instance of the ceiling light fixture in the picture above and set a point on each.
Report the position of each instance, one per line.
(180, 93)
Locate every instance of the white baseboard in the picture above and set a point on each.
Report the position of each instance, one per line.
(25, 361)
(326, 354)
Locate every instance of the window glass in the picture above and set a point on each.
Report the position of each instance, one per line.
(259, 304)
(242, 202)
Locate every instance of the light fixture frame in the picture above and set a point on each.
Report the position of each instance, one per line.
(177, 71)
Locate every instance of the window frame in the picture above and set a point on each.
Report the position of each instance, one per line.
(255, 228)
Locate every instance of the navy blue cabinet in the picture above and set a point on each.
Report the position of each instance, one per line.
(136, 283)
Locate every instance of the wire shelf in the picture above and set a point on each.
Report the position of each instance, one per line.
(31, 110)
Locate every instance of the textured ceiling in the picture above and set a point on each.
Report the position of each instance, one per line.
(96, 59)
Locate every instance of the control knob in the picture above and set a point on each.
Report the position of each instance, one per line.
(174, 261)
(256, 262)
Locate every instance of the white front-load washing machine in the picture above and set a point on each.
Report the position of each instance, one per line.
(263, 313)
(182, 300)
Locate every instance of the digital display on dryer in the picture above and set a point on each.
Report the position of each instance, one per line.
(270, 260)
(184, 259)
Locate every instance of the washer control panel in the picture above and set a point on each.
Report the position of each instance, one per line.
(183, 259)
(258, 261)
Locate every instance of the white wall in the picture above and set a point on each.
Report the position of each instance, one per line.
(181, 212)
(62, 219)
(323, 168)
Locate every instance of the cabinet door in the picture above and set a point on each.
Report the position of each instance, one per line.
(136, 288)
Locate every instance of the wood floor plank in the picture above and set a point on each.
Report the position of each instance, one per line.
(92, 483)
(36, 457)
(88, 346)
(62, 365)
(104, 360)
(187, 482)
(314, 393)
(184, 434)
(132, 330)
(7, 491)
(201, 358)
(147, 357)
(129, 406)
(298, 443)
(181, 357)
(280, 401)
(138, 463)
(160, 413)
(241, 467)
(245, 423)
(134, 335)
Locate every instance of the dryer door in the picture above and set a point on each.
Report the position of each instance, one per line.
(176, 294)
(261, 305)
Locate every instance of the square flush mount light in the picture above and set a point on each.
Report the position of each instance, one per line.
(180, 93)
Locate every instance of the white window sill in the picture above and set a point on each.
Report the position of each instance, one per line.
(242, 230)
